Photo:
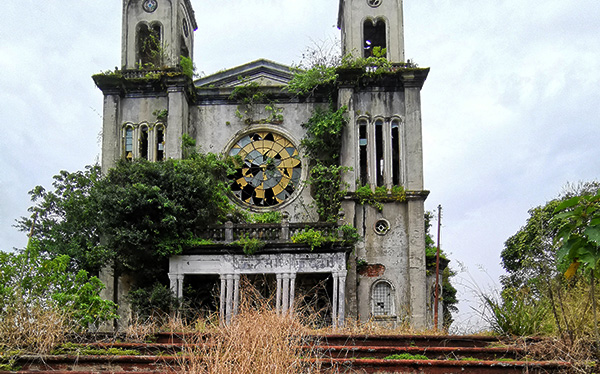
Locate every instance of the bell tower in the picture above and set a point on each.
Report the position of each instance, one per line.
(156, 33)
(368, 24)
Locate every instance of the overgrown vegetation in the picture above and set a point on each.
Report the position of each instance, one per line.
(253, 98)
(249, 245)
(145, 211)
(551, 264)
(41, 301)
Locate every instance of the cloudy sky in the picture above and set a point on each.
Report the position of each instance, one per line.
(511, 107)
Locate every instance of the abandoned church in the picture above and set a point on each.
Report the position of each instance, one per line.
(152, 105)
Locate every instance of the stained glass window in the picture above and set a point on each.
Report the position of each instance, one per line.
(269, 168)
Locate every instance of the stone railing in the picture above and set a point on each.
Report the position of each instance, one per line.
(144, 73)
(267, 232)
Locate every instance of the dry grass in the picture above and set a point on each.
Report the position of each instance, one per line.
(258, 340)
(35, 329)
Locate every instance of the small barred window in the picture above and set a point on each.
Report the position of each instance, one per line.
(382, 299)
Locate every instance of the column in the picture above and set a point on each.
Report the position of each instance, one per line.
(222, 299)
(286, 293)
(292, 291)
(334, 308)
(278, 296)
(341, 299)
(229, 299)
(173, 283)
(236, 293)
(180, 286)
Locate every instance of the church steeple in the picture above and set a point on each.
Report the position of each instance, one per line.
(368, 24)
(157, 32)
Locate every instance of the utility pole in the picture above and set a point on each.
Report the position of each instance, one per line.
(437, 270)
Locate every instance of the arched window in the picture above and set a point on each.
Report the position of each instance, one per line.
(374, 36)
(149, 45)
(128, 143)
(363, 144)
(379, 152)
(160, 142)
(144, 142)
(383, 299)
(396, 152)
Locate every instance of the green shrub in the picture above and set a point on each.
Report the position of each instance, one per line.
(249, 245)
(518, 313)
(312, 237)
(266, 217)
(155, 301)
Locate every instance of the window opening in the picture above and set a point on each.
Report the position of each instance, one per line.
(363, 146)
(374, 36)
(379, 151)
(144, 142)
(160, 143)
(149, 45)
(382, 299)
(395, 153)
(269, 169)
(185, 52)
(381, 227)
(129, 143)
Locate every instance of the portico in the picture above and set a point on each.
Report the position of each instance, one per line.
(285, 265)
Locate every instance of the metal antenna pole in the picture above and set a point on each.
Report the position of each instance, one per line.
(437, 270)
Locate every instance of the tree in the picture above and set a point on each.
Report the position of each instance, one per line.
(66, 220)
(530, 257)
(579, 239)
(41, 301)
(148, 210)
(133, 218)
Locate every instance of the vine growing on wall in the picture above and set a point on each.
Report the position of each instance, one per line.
(251, 98)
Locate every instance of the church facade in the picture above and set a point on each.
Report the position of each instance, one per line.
(151, 106)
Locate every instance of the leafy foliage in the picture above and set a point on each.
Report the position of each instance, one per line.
(67, 219)
(145, 212)
(266, 217)
(39, 295)
(187, 66)
(518, 313)
(251, 95)
(249, 245)
(579, 233)
(312, 237)
(156, 301)
(327, 190)
(529, 256)
(323, 141)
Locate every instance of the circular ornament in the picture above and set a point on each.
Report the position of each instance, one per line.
(381, 227)
(374, 3)
(268, 169)
(150, 5)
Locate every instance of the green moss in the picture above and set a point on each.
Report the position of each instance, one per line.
(83, 350)
(406, 356)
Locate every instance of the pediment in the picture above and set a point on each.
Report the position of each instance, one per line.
(263, 72)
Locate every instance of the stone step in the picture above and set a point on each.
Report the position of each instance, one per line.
(366, 366)
(169, 364)
(333, 353)
(432, 353)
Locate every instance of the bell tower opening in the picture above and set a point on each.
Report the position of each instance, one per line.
(372, 25)
(150, 49)
(156, 33)
(374, 37)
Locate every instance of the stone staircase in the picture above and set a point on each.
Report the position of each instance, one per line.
(333, 353)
